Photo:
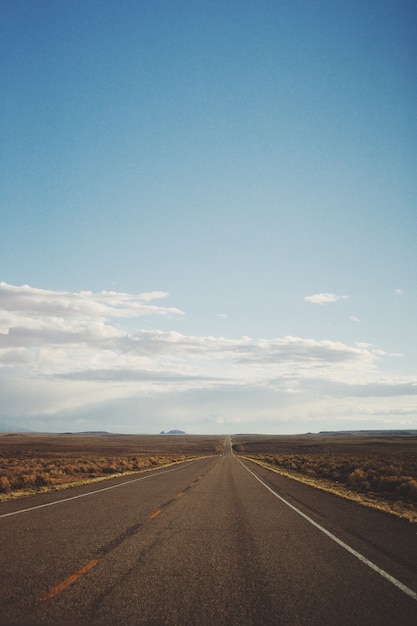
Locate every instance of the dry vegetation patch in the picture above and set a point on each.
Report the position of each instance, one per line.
(31, 463)
(376, 471)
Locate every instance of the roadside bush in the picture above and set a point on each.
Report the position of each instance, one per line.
(404, 486)
(42, 480)
(24, 481)
(4, 484)
(408, 488)
(359, 480)
(109, 469)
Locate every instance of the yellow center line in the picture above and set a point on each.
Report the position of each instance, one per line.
(68, 581)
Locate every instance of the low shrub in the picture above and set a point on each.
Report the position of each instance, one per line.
(4, 484)
(367, 473)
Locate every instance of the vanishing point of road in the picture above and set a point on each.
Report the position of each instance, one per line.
(214, 541)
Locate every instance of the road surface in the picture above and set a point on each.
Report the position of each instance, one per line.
(214, 541)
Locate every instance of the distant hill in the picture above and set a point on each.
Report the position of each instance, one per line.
(371, 433)
(88, 432)
(172, 432)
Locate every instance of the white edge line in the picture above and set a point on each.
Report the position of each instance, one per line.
(341, 543)
(90, 493)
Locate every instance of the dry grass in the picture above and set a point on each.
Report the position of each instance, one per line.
(30, 463)
(376, 471)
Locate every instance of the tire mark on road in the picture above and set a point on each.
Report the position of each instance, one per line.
(112, 545)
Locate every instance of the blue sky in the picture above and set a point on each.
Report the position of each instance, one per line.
(208, 214)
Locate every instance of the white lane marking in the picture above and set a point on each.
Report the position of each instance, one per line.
(91, 493)
(341, 543)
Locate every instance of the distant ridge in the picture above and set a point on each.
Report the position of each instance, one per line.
(375, 433)
(88, 432)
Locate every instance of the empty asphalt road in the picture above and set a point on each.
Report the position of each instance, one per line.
(213, 541)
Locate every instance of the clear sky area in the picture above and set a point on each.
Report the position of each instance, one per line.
(208, 215)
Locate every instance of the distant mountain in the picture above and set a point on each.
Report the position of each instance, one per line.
(172, 432)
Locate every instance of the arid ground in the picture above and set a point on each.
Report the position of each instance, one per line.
(40, 462)
(377, 470)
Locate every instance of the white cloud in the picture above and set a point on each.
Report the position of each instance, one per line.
(324, 298)
(399, 292)
(62, 354)
(26, 300)
(354, 318)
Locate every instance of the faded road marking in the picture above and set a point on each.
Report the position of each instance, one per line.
(341, 543)
(68, 581)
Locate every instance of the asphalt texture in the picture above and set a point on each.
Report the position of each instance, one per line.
(205, 543)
